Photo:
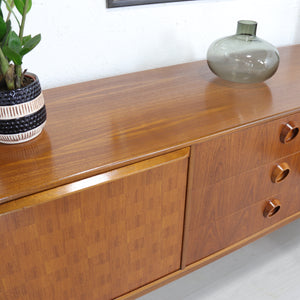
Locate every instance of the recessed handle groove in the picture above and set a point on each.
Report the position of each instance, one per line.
(288, 133)
(272, 208)
(280, 172)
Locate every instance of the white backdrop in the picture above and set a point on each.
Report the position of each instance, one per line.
(83, 40)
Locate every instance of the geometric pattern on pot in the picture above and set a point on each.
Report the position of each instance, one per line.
(21, 137)
(22, 113)
(21, 110)
(19, 125)
(21, 95)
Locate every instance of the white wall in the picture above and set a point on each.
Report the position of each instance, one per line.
(83, 40)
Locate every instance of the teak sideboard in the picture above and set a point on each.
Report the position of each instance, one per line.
(142, 178)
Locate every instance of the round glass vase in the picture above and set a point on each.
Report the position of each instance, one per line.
(243, 57)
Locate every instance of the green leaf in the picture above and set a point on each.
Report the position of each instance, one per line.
(2, 28)
(8, 30)
(26, 39)
(13, 48)
(14, 42)
(12, 55)
(20, 5)
(30, 44)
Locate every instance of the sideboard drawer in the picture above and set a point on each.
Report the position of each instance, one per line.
(215, 236)
(246, 149)
(233, 194)
(233, 209)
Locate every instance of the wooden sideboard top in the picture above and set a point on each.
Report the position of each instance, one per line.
(96, 126)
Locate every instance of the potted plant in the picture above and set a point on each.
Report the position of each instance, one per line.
(22, 108)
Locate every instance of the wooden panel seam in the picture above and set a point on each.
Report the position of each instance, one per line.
(188, 211)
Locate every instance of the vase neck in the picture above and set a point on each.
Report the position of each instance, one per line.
(246, 27)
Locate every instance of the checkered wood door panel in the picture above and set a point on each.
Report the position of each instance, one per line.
(97, 243)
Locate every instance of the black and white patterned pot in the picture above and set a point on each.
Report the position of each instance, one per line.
(22, 113)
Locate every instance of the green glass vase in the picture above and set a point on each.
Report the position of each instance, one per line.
(243, 57)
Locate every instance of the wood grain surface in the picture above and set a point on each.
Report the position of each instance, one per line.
(241, 151)
(100, 241)
(100, 125)
(230, 210)
(71, 188)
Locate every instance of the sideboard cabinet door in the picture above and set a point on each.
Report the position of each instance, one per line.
(97, 238)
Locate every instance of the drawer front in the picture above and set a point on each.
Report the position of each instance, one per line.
(235, 153)
(215, 236)
(233, 194)
(98, 238)
(235, 208)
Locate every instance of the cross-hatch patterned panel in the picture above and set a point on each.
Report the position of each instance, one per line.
(98, 243)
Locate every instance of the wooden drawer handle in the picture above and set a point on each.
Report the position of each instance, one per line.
(272, 208)
(280, 172)
(288, 133)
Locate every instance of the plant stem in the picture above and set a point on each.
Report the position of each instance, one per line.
(3, 63)
(19, 68)
(23, 20)
(10, 11)
(18, 77)
(6, 71)
(8, 16)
